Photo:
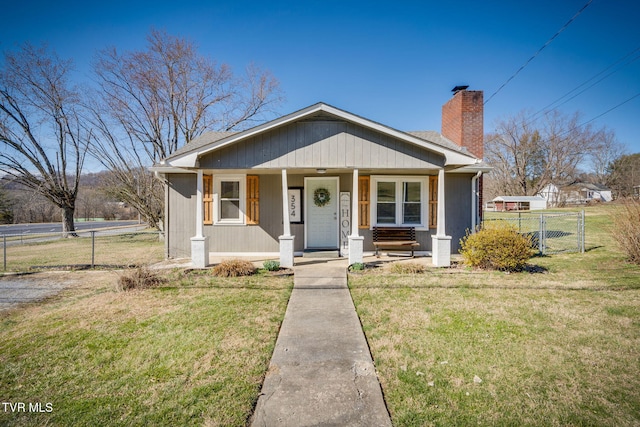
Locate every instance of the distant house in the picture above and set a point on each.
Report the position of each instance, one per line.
(322, 178)
(575, 194)
(518, 203)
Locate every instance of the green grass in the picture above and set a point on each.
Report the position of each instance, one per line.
(190, 353)
(558, 347)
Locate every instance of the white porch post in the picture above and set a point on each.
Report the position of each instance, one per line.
(199, 243)
(441, 243)
(286, 240)
(356, 242)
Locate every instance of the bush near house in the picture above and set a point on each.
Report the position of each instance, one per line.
(626, 229)
(496, 247)
(271, 265)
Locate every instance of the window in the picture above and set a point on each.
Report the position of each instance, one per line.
(229, 199)
(400, 200)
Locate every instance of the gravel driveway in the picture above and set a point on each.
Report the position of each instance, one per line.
(18, 289)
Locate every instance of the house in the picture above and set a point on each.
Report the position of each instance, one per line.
(320, 179)
(576, 193)
(518, 203)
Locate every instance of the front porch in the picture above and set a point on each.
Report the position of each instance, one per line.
(341, 222)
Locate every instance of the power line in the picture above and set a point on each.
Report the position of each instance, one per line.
(610, 109)
(540, 50)
(599, 115)
(546, 108)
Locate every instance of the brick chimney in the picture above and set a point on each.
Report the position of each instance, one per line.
(463, 118)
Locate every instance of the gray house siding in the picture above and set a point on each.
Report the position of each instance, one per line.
(332, 144)
(180, 214)
(458, 207)
(264, 236)
(458, 215)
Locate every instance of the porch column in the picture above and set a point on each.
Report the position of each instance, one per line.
(286, 240)
(199, 242)
(441, 243)
(356, 242)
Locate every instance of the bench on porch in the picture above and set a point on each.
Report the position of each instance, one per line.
(395, 237)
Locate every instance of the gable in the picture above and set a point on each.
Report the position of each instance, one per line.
(321, 142)
(427, 150)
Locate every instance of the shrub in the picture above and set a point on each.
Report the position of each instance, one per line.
(407, 268)
(139, 278)
(357, 266)
(496, 247)
(234, 268)
(626, 230)
(271, 265)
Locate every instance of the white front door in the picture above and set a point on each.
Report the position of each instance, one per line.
(321, 213)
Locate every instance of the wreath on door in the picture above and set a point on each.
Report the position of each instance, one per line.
(321, 196)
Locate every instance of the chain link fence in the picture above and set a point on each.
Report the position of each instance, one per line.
(110, 248)
(550, 232)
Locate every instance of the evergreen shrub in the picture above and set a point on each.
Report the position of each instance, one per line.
(498, 246)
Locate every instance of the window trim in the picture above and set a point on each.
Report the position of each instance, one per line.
(399, 180)
(217, 182)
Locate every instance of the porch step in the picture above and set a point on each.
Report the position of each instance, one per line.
(320, 253)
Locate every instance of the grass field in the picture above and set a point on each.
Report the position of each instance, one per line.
(114, 250)
(556, 347)
(191, 353)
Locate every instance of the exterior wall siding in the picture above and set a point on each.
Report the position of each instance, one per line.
(329, 144)
(458, 220)
(458, 207)
(264, 236)
(181, 214)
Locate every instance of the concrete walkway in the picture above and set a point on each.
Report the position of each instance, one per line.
(321, 372)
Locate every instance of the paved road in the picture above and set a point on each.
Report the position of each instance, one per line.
(57, 227)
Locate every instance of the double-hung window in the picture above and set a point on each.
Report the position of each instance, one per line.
(229, 193)
(400, 201)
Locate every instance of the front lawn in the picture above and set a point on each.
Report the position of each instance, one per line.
(191, 353)
(558, 346)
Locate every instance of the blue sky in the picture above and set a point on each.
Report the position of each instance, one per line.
(392, 62)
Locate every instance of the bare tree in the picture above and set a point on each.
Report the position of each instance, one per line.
(44, 144)
(607, 150)
(624, 175)
(152, 102)
(527, 156)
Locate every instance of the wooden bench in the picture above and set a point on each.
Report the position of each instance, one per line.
(395, 237)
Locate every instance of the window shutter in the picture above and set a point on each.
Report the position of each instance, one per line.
(363, 202)
(253, 199)
(433, 201)
(207, 198)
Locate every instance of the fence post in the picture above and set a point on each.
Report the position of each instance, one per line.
(519, 222)
(93, 247)
(4, 251)
(582, 232)
(541, 235)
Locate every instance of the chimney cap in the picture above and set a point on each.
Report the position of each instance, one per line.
(459, 88)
